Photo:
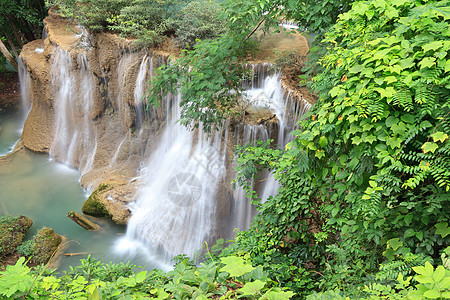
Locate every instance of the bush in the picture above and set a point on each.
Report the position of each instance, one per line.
(147, 21)
(199, 20)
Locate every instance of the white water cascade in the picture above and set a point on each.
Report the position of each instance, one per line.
(75, 142)
(184, 195)
(175, 208)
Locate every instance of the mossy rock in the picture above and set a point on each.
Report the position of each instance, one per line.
(93, 205)
(45, 244)
(12, 231)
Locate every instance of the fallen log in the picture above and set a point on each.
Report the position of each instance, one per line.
(82, 221)
(75, 254)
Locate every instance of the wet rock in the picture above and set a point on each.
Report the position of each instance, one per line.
(93, 205)
(44, 246)
(12, 231)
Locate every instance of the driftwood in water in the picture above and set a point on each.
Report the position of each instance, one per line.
(82, 221)
(77, 253)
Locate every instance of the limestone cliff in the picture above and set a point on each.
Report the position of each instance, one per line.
(87, 112)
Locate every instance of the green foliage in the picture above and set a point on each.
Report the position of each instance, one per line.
(199, 20)
(12, 231)
(318, 16)
(147, 21)
(287, 58)
(207, 92)
(16, 280)
(369, 170)
(95, 280)
(26, 248)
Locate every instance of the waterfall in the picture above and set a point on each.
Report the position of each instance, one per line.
(177, 204)
(26, 95)
(184, 194)
(175, 208)
(75, 141)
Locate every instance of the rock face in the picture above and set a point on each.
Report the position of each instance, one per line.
(83, 107)
(12, 231)
(87, 111)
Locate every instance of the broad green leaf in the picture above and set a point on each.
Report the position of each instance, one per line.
(356, 69)
(379, 81)
(419, 235)
(442, 229)
(427, 62)
(389, 254)
(394, 142)
(407, 63)
(432, 46)
(409, 233)
(391, 121)
(439, 136)
(336, 91)
(399, 2)
(390, 79)
(370, 139)
(432, 294)
(394, 243)
(236, 266)
(398, 129)
(391, 12)
(251, 288)
(323, 141)
(278, 295)
(356, 140)
(439, 273)
(407, 118)
(320, 154)
(408, 218)
(140, 277)
(429, 147)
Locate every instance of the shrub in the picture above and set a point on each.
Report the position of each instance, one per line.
(199, 20)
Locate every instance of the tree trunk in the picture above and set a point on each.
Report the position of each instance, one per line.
(83, 221)
(8, 55)
(11, 44)
(17, 36)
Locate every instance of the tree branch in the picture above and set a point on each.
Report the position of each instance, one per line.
(8, 55)
(254, 29)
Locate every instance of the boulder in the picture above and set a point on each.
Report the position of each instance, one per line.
(12, 231)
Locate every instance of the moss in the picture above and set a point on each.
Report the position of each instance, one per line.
(93, 205)
(45, 243)
(12, 231)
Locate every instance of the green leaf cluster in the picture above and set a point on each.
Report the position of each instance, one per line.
(230, 278)
(371, 161)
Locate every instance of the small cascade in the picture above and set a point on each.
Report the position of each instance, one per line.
(269, 94)
(243, 211)
(75, 142)
(175, 208)
(26, 94)
(145, 74)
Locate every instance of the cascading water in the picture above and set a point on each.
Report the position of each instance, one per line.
(175, 208)
(182, 189)
(75, 142)
(25, 89)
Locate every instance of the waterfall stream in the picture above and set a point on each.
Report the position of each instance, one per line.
(183, 191)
